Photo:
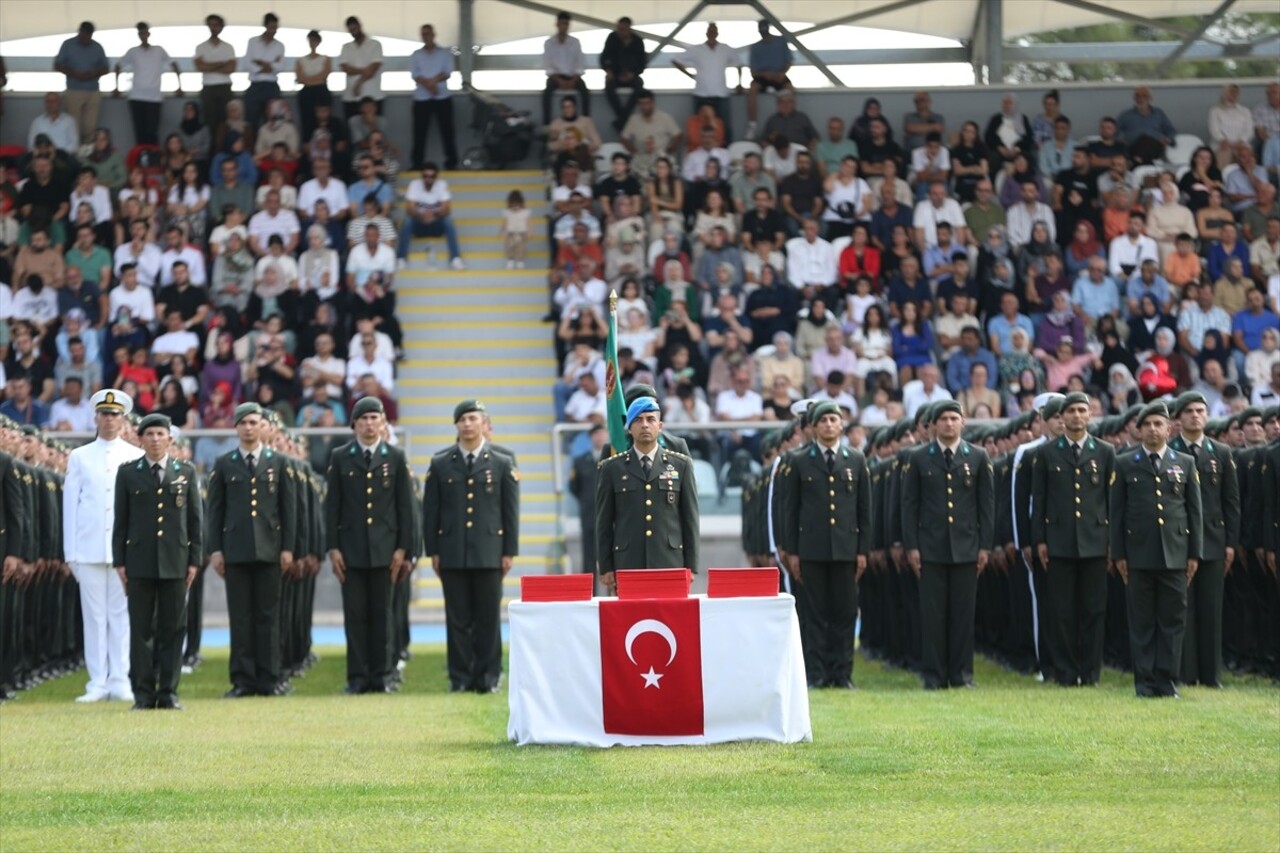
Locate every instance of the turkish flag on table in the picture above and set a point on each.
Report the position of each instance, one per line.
(651, 667)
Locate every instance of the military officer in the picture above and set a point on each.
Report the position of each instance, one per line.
(88, 510)
(252, 518)
(1070, 482)
(1156, 542)
(471, 532)
(826, 533)
(948, 527)
(157, 545)
(665, 441)
(1220, 503)
(369, 517)
(646, 502)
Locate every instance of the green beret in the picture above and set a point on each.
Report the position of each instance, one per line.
(825, 407)
(30, 429)
(633, 393)
(155, 419)
(901, 428)
(1153, 410)
(244, 410)
(941, 407)
(1271, 414)
(1130, 413)
(1186, 399)
(466, 407)
(1095, 427)
(1075, 398)
(923, 416)
(1053, 407)
(367, 405)
(1213, 427)
(1249, 414)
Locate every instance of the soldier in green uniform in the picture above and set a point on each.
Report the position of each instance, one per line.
(665, 441)
(646, 502)
(16, 524)
(826, 534)
(369, 519)
(1070, 480)
(157, 546)
(1220, 503)
(471, 532)
(252, 517)
(948, 527)
(1156, 542)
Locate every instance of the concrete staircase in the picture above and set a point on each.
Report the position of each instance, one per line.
(478, 333)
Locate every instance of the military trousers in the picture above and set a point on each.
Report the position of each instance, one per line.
(828, 595)
(366, 613)
(1202, 639)
(473, 624)
(253, 610)
(1157, 619)
(1077, 593)
(157, 623)
(948, 595)
(195, 618)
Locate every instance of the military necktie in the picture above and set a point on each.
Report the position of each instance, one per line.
(831, 461)
(1075, 452)
(156, 472)
(948, 456)
(646, 465)
(368, 457)
(250, 462)
(1155, 462)
(471, 460)
(1195, 452)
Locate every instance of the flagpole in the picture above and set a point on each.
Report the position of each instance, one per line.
(615, 404)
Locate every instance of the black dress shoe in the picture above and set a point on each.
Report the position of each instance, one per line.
(170, 705)
(458, 688)
(933, 685)
(238, 693)
(353, 689)
(143, 705)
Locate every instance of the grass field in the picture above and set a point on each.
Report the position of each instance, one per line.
(1011, 765)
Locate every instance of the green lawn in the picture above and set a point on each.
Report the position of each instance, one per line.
(1012, 765)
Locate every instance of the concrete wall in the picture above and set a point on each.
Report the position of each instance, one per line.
(1187, 104)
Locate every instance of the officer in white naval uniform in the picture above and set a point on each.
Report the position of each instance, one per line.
(88, 509)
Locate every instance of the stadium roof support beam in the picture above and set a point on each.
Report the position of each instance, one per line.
(804, 51)
(671, 36)
(1133, 18)
(858, 16)
(466, 40)
(1205, 23)
(586, 19)
(993, 35)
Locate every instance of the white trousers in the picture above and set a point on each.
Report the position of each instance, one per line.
(106, 628)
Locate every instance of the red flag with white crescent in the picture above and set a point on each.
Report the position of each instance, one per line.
(651, 667)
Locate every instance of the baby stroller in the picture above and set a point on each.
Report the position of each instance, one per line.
(507, 134)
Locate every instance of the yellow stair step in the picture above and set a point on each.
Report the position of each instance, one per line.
(506, 419)
(484, 382)
(490, 400)
(496, 253)
(403, 274)
(478, 290)
(423, 325)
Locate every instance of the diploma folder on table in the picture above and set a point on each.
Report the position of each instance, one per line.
(742, 583)
(556, 587)
(654, 583)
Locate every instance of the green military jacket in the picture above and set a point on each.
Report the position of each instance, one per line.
(1070, 499)
(1271, 497)
(158, 525)
(1219, 495)
(252, 515)
(1156, 518)
(48, 485)
(471, 519)
(369, 509)
(15, 510)
(826, 514)
(647, 522)
(948, 514)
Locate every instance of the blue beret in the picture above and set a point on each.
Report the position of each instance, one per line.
(639, 407)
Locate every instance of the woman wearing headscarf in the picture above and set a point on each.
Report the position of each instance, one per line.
(106, 161)
(1122, 389)
(1143, 328)
(1216, 347)
(1175, 363)
(1060, 321)
(1009, 131)
(1230, 123)
(1033, 253)
(996, 271)
(1013, 174)
(194, 133)
(1018, 359)
(860, 130)
(233, 123)
(1167, 216)
(1083, 246)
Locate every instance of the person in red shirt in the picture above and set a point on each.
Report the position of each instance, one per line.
(143, 375)
(860, 258)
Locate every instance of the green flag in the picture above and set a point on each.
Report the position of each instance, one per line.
(616, 406)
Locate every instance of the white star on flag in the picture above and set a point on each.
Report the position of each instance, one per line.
(651, 678)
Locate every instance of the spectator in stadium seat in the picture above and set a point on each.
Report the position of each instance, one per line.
(1264, 252)
(587, 403)
(925, 388)
(428, 213)
(1144, 326)
(719, 252)
(812, 326)
(367, 362)
(848, 199)
(715, 215)
(21, 407)
(1222, 250)
(1095, 294)
(40, 258)
(191, 302)
(694, 168)
(370, 214)
(273, 220)
(1009, 131)
(1000, 327)
(1059, 321)
(178, 249)
(960, 363)
(35, 303)
(1146, 280)
(573, 136)
(1182, 266)
(71, 411)
(960, 281)
(324, 369)
(230, 191)
(977, 396)
(576, 215)
(950, 319)
(731, 356)
(938, 207)
(322, 407)
(1057, 151)
(762, 221)
(835, 147)
(970, 161)
(930, 162)
(369, 183)
(1103, 150)
(1200, 317)
(1230, 291)
(766, 254)
(811, 261)
(1127, 251)
(913, 343)
(1230, 123)
(792, 123)
(318, 278)
(233, 271)
(859, 259)
(891, 176)
(1242, 186)
(578, 248)
(832, 356)
(771, 306)
(879, 148)
(739, 403)
(937, 257)
(909, 286)
(748, 181)
(1145, 128)
(1026, 213)
(233, 151)
(323, 187)
(649, 134)
(709, 61)
(802, 194)
(890, 215)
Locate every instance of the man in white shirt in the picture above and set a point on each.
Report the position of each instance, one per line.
(369, 257)
(177, 340)
(147, 62)
(427, 211)
(1127, 251)
(431, 66)
(563, 61)
(739, 403)
(709, 61)
(71, 412)
(811, 261)
(324, 367)
(384, 348)
(176, 249)
(140, 253)
(55, 124)
(938, 207)
(650, 133)
(323, 187)
(1022, 217)
(695, 163)
(587, 403)
(36, 303)
(216, 60)
(273, 219)
(88, 515)
(265, 57)
(131, 307)
(926, 389)
(367, 362)
(361, 59)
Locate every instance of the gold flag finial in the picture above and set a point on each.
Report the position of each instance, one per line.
(613, 302)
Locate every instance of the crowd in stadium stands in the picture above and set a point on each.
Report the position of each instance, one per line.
(887, 263)
(246, 253)
(250, 251)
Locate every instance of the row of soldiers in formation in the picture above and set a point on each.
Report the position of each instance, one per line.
(104, 549)
(1050, 542)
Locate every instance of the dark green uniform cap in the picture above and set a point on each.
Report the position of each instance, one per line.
(1130, 413)
(154, 419)
(1246, 414)
(466, 407)
(824, 407)
(1186, 399)
(1153, 410)
(1053, 406)
(366, 405)
(1074, 398)
(637, 391)
(941, 407)
(245, 409)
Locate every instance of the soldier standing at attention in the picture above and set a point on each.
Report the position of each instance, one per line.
(157, 561)
(1156, 542)
(252, 515)
(471, 532)
(646, 503)
(369, 520)
(948, 526)
(1069, 488)
(88, 510)
(1220, 503)
(826, 533)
